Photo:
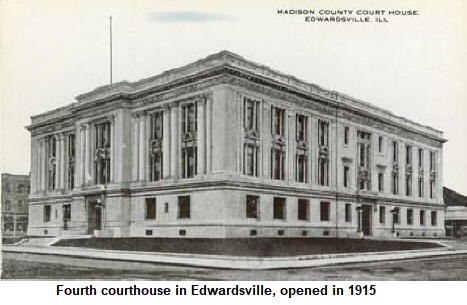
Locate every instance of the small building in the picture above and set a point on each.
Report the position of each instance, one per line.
(456, 213)
(15, 192)
(225, 147)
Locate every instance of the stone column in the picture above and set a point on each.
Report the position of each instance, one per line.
(142, 147)
(87, 156)
(174, 140)
(201, 137)
(166, 140)
(291, 143)
(310, 159)
(259, 115)
(62, 162)
(112, 148)
(58, 161)
(135, 148)
(44, 165)
(34, 166)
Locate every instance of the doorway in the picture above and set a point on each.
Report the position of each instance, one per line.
(94, 216)
(366, 219)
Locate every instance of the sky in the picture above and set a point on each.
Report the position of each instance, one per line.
(414, 66)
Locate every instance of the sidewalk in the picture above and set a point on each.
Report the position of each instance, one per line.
(232, 262)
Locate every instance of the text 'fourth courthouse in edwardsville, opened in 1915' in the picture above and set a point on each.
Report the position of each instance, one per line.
(225, 147)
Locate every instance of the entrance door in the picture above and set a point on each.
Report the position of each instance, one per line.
(366, 219)
(94, 217)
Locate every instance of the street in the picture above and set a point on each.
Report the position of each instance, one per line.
(452, 267)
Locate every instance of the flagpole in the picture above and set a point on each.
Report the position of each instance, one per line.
(110, 35)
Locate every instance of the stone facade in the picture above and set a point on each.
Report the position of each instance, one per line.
(224, 147)
(15, 191)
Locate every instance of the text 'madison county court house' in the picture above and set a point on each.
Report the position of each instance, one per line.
(224, 147)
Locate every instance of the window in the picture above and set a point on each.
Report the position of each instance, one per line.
(47, 213)
(8, 205)
(251, 116)
(323, 133)
(277, 163)
(189, 140)
(346, 135)
(184, 209)
(278, 121)
(395, 152)
(420, 158)
(324, 211)
(395, 183)
(189, 162)
(301, 126)
(189, 118)
(409, 216)
(432, 189)
(102, 153)
(166, 207)
(408, 155)
(251, 160)
(150, 208)
(380, 144)
(381, 182)
(323, 171)
(408, 184)
(395, 215)
(252, 204)
(346, 175)
(364, 153)
(67, 212)
(301, 163)
(71, 161)
(420, 186)
(155, 147)
(348, 212)
(422, 217)
(303, 209)
(382, 214)
(432, 160)
(434, 218)
(279, 208)
(51, 145)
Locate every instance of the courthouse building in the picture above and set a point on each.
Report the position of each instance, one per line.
(15, 190)
(225, 147)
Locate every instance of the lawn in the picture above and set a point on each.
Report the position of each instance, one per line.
(263, 247)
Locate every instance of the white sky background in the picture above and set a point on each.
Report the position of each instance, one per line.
(52, 51)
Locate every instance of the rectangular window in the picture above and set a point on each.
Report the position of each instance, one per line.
(432, 161)
(323, 133)
(67, 212)
(301, 126)
(323, 171)
(189, 118)
(303, 209)
(434, 218)
(324, 211)
(348, 212)
(432, 189)
(278, 121)
(395, 183)
(408, 155)
(166, 207)
(277, 163)
(395, 152)
(251, 160)
(279, 208)
(47, 213)
(71, 161)
(155, 146)
(301, 164)
(382, 214)
(381, 182)
(150, 208)
(420, 186)
(395, 215)
(252, 204)
(422, 217)
(408, 185)
(102, 147)
(409, 216)
(51, 145)
(420, 158)
(380, 144)
(346, 135)
(189, 161)
(251, 116)
(184, 207)
(346, 176)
